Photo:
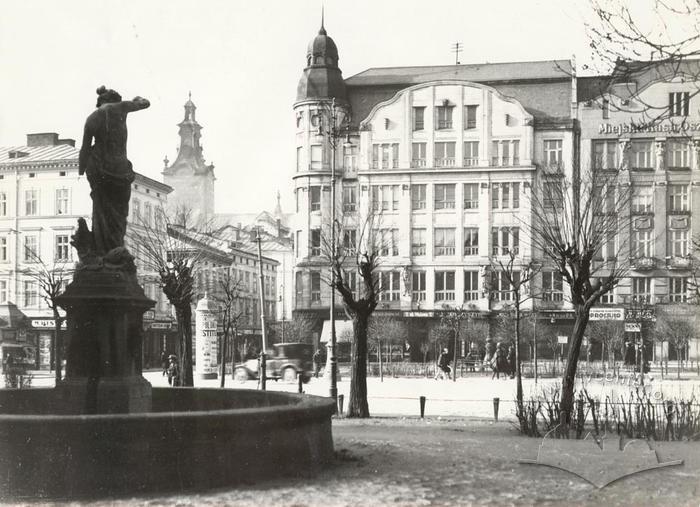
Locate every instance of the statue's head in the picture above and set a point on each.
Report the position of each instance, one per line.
(105, 96)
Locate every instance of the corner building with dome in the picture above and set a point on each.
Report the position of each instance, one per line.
(444, 156)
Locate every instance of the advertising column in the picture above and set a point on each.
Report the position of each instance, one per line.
(206, 340)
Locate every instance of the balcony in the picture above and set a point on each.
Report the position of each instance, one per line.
(418, 162)
(678, 262)
(643, 263)
(445, 162)
(471, 161)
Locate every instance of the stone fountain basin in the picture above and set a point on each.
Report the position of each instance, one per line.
(193, 439)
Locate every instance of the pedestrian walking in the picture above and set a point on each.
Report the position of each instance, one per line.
(317, 362)
(499, 361)
(511, 361)
(173, 371)
(490, 351)
(443, 365)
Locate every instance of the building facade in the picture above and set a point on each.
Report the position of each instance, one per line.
(443, 159)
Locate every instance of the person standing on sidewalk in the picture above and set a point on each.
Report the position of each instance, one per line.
(443, 365)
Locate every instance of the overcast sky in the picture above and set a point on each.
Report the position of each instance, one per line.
(241, 61)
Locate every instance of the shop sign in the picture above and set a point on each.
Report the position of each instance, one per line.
(562, 340)
(638, 314)
(46, 324)
(149, 315)
(159, 325)
(607, 314)
(633, 327)
(557, 315)
(419, 314)
(667, 127)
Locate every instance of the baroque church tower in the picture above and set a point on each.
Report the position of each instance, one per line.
(190, 176)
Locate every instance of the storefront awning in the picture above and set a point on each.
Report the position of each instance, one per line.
(343, 331)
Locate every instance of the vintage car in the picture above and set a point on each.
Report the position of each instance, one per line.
(285, 361)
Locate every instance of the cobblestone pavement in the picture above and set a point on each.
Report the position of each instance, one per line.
(401, 461)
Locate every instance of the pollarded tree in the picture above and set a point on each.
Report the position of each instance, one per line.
(610, 334)
(678, 330)
(579, 226)
(455, 320)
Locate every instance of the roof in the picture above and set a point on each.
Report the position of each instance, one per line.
(162, 187)
(38, 153)
(11, 316)
(478, 72)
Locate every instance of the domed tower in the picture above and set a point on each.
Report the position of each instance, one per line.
(190, 176)
(321, 98)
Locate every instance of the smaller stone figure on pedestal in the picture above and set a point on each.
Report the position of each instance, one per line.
(109, 172)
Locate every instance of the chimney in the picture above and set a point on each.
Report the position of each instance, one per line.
(42, 139)
(68, 142)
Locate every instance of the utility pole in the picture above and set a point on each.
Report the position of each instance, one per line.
(457, 49)
(263, 358)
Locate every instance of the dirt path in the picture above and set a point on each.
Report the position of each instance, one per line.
(455, 462)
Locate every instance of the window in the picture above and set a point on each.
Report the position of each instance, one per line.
(604, 154)
(678, 242)
(350, 278)
(315, 198)
(349, 241)
(147, 214)
(31, 248)
(444, 241)
(350, 156)
(31, 201)
(418, 197)
(471, 241)
(471, 285)
(552, 287)
(385, 197)
(300, 119)
(300, 158)
(641, 290)
(389, 245)
(31, 297)
(136, 210)
(445, 154)
(471, 195)
(444, 117)
(678, 154)
(389, 286)
(316, 156)
(606, 109)
(395, 155)
(418, 155)
(315, 242)
(3, 204)
(678, 198)
(385, 156)
(505, 153)
(419, 118)
(553, 195)
(62, 247)
(677, 290)
(553, 152)
(418, 242)
(504, 240)
(62, 201)
(642, 244)
(315, 287)
(500, 285)
(640, 154)
(471, 153)
(418, 286)
(470, 117)
(609, 297)
(3, 291)
(349, 198)
(444, 286)
(444, 196)
(505, 195)
(678, 103)
(3, 248)
(375, 156)
(642, 198)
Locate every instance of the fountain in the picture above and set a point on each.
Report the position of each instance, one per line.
(104, 430)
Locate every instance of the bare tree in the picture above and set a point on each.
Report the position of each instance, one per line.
(455, 320)
(677, 330)
(172, 247)
(515, 278)
(576, 225)
(51, 282)
(227, 295)
(610, 334)
(360, 294)
(385, 331)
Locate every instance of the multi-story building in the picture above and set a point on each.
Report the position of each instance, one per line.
(643, 120)
(41, 198)
(444, 158)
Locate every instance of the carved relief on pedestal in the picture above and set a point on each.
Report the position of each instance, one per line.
(660, 150)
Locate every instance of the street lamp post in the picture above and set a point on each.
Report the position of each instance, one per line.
(334, 131)
(263, 353)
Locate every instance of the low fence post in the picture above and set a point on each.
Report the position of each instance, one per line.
(300, 377)
(496, 401)
(341, 400)
(422, 406)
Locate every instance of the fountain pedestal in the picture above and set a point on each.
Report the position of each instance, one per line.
(104, 309)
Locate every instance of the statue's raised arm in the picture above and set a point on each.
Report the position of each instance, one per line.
(108, 170)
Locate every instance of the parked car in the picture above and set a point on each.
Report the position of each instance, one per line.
(285, 361)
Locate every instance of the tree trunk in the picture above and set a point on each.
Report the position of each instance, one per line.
(224, 345)
(184, 318)
(519, 379)
(379, 353)
(358, 371)
(454, 356)
(58, 345)
(568, 381)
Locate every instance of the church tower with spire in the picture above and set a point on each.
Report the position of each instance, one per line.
(189, 175)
